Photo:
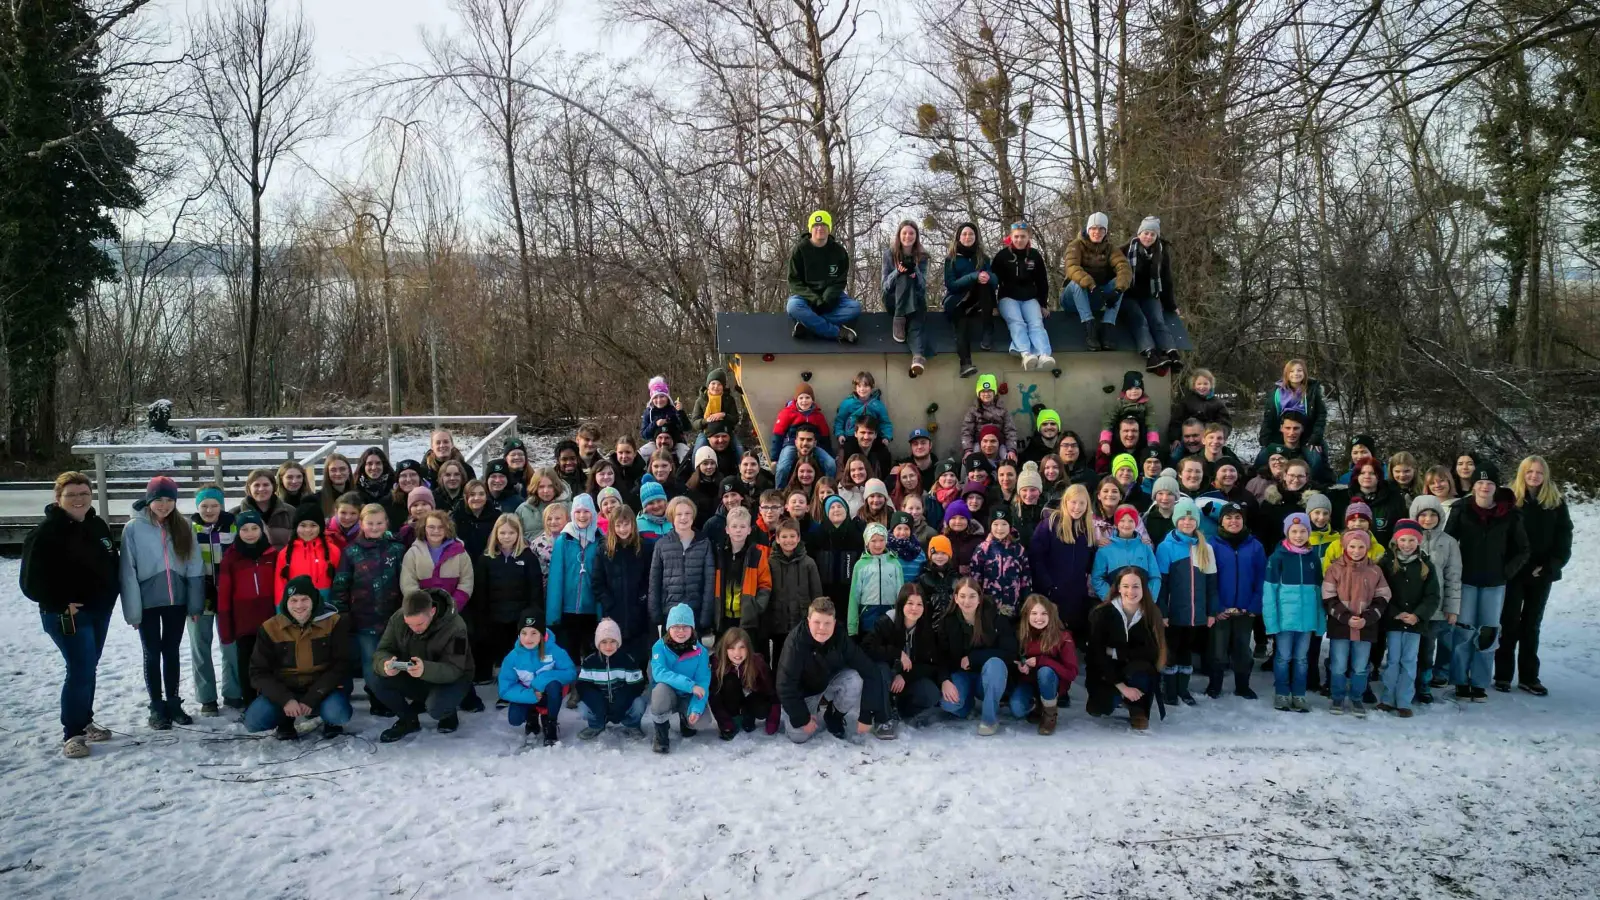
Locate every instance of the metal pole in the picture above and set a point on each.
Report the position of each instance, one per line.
(100, 482)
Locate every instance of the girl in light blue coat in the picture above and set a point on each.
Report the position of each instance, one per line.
(533, 677)
(163, 583)
(1291, 609)
(569, 591)
(1126, 548)
(680, 666)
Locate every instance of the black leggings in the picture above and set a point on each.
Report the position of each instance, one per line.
(161, 633)
(577, 635)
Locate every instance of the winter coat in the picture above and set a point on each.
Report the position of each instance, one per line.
(1494, 546)
(1188, 594)
(1549, 533)
(844, 418)
(938, 588)
(672, 419)
(1003, 573)
(888, 639)
(475, 530)
(874, 586)
(1334, 549)
(1291, 596)
(1413, 588)
(443, 646)
(306, 662)
(509, 587)
(818, 275)
(622, 589)
(1061, 571)
(1316, 410)
(212, 539)
(904, 293)
(1152, 272)
(964, 545)
(683, 672)
(152, 574)
(526, 676)
(1063, 660)
(279, 517)
(791, 416)
(963, 295)
(1241, 572)
(806, 667)
(836, 549)
(680, 574)
(729, 698)
(795, 583)
(66, 561)
(609, 685)
(454, 573)
(1386, 502)
(1276, 505)
(246, 596)
(1021, 275)
(1091, 264)
(367, 584)
(1118, 649)
(1125, 552)
(1445, 553)
(744, 600)
(316, 559)
(957, 641)
(728, 405)
(980, 414)
(1351, 589)
(531, 512)
(570, 585)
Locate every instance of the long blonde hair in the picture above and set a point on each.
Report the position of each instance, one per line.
(1067, 528)
(1548, 497)
(519, 545)
(1290, 365)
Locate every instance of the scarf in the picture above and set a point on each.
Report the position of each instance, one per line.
(1302, 551)
(1140, 255)
(253, 551)
(906, 548)
(375, 487)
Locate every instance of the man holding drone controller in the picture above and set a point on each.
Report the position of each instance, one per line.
(423, 661)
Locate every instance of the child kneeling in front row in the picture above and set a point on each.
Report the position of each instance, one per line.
(610, 685)
(681, 668)
(533, 678)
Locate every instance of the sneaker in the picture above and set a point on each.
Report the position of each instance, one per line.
(968, 370)
(331, 731)
(286, 731)
(1359, 708)
(1300, 705)
(1281, 703)
(448, 724)
(847, 335)
(399, 730)
(1028, 360)
(1532, 687)
(95, 734)
(177, 715)
(75, 747)
(501, 704)
(589, 733)
(1384, 707)
(1336, 707)
(899, 329)
(1153, 363)
(1463, 692)
(1044, 362)
(987, 728)
(884, 731)
(159, 721)
(1503, 687)
(799, 332)
(917, 365)
(1174, 364)
(1403, 713)
(1479, 695)
(1245, 693)
(1439, 681)
(209, 710)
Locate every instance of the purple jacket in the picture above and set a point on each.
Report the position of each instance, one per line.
(1061, 571)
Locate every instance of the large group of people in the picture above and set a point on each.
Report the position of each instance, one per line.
(830, 581)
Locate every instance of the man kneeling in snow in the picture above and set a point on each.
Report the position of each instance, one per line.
(298, 665)
(423, 658)
(819, 663)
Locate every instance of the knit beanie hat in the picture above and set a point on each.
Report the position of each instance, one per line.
(988, 382)
(1167, 482)
(1124, 461)
(513, 444)
(875, 530)
(529, 619)
(309, 511)
(651, 491)
(1131, 379)
(1296, 518)
(715, 428)
(900, 518)
(1352, 539)
(1047, 415)
(1030, 477)
(680, 614)
(731, 485)
(659, 388)
(1186, 508)
(1125, 511)
(874, 486)
(820, 217)
(1357, 508)
(607, 630)
(1486, 471)
(834, 499)
(956, 508)
(411, 465)
(301, 585)
(804, 390)
(1150, 224)
(419, 494)
(947, 465)
(496, 467)
(940, 544)
(1316, 500)
(1098, 220)
(1408, 526)
(989, 431)
(703, 454)
(249, 517)
(608, 491)
(1364, 440)
(974, 487)
(583, 501)
(159, 488)
(209, 492)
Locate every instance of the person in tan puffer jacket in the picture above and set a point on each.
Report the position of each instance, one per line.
(1097, 274)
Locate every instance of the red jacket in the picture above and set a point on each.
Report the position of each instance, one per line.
(317, 558)
(792, 416)
(246, 595)
(1064, 659)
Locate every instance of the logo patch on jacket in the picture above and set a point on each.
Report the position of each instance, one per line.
(833, 269)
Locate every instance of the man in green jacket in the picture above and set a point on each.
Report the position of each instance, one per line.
(819, 269)
(423, 657)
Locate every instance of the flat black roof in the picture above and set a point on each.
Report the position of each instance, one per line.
(771, 333)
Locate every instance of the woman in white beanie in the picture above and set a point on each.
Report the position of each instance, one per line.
(1151, 297)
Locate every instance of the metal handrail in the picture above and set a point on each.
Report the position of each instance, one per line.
(335, 420)
(101, 451)
(320, 454)
(481, 448)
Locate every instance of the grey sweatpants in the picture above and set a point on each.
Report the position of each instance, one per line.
(843, 693)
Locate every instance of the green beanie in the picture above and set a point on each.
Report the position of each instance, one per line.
(988, 383)
(1047, 415)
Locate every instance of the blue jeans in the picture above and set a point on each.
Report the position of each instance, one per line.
(1103, 299)
(1149, 325)
(81, 652)
(787, 459)
(1400, 669)
(261, 714)
(824, 323)
(1021, 698)
(366, 641)
(1025, 320)
(1347, 668)
(1289, 663)
(1477, 635)
(630, 718)
(989, 687)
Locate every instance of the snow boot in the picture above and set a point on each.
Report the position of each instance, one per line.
(331, 731)
(683, 727)
(448, 724)
(159, 720)
(1183, 689)
(898, 328)
(286, 731)
(1047, 718)
(1241, 686)
(209, 710)
(176, 714)
(1169, 690)
(1091, 335)
(472, 702)
(377, 707)
(552, 730)
(663, 739)
(1214, 685)
(403, 726)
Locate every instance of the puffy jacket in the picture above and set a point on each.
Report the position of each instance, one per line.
(246, 593)
(727, 404)
(836, 549)
(279, 517)
(609, 685)
(66, 561)
(622, 589)
(443, 647)
(316, 559)
(1188, 405)
(453, 574)
(1021, 275)
(844, 419)
(1061, 570)
(1334, 549)
(795, 583)
(791, 416)
(1241, 572)
(980, 414)
(1549, 533)
(806, 667)
(1351, 589)
(754, 588)
(680, 574)
(570, 587)
(683, 672)
(1291, 597)
(1002, 570)
(888, 639)
(153, 575)
(1188, 595)
(673, 422)
(938, 588)
(526, 675)
(1091, 264)
(1413, 588)
(1494, 546)
(367, 584)
(305, 662)
(874, 586)
(510, 586)
(1445, 554)
(957, 641)
(1125, 552)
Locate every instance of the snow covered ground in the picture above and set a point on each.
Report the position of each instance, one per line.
(1229, 799)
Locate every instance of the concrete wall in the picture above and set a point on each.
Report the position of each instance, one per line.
(1080, 395)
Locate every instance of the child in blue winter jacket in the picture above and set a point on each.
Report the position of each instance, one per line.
(610, 684)
(1126, 548)
(1187, 599)
(1241, 568)
(875, 581)
(1291, 610)
(864, 398)
(903, 544)
(533, 678)
(681, 667)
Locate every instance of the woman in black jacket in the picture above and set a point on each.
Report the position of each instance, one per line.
(978, 651)
(622, 582)
(1547, 522)
(70, 568)
(508, 585)
(1493, 550)
(905, 647)
(1127, 647)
